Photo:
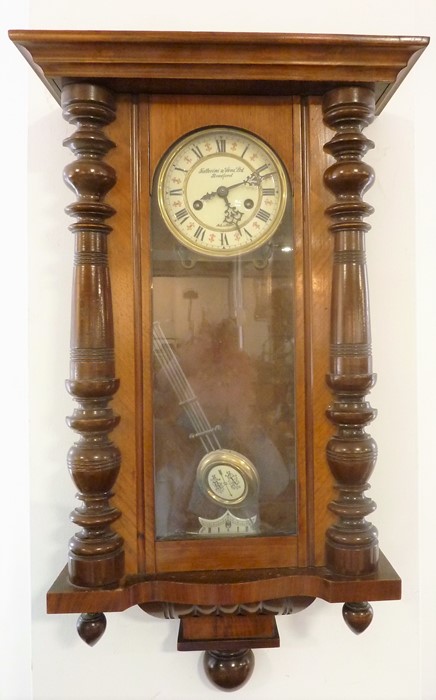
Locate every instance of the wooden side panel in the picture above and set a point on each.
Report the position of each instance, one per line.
(303, 366)
(145, 332)
(318, 267)
(129, 400)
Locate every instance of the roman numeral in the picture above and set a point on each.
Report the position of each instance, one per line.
(199, 234)
(263, 215)
(221, 145)
(244, 151)
(224, 240)
(197, 152)
(182, 170)
(182, 215)
(268, 191)
(261, 167)
(248, 233)
(176, 193)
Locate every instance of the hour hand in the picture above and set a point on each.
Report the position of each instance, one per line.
(222, 191)
(209, 195)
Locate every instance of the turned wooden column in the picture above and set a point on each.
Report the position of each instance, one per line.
(96, 556)
(351, 543)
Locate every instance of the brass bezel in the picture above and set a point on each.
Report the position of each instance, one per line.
(172, 155)
(241, 464)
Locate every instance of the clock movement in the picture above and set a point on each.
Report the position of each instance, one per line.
(220, 338)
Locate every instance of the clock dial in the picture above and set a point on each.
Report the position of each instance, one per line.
(228, 478)
(222, 191)
(225, 482)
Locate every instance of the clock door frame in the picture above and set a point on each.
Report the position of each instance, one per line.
(130, 282)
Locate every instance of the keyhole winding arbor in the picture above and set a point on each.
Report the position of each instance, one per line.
(129, 97)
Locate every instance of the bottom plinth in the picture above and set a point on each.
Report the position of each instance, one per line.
(225, 588)
(226, 614)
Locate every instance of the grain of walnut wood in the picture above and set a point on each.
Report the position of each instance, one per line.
(96, 552)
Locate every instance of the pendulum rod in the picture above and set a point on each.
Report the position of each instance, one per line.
(184, 392)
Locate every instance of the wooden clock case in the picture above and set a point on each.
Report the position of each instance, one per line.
(129, 96)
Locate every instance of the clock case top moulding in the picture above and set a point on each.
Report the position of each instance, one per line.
(337, 85)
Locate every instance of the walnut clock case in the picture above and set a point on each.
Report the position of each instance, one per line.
(220, 342)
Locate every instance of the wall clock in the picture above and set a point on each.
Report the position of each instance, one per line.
(220, 346)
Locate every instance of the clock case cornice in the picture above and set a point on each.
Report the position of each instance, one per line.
(201, 62)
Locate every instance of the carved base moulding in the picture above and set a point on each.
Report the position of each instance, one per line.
(220, 340)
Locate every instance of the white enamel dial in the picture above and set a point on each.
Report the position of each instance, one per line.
(222, 191)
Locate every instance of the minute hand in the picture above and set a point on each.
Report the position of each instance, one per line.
(252, 179)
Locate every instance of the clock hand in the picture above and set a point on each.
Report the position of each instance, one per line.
(231, 215)
(255, 178)
(209, 195)
(222, 191)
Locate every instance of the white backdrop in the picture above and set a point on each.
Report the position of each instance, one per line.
(42, 657)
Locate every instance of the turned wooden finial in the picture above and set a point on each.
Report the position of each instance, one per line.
(91, 627)
(229, 670)
(358, 616)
